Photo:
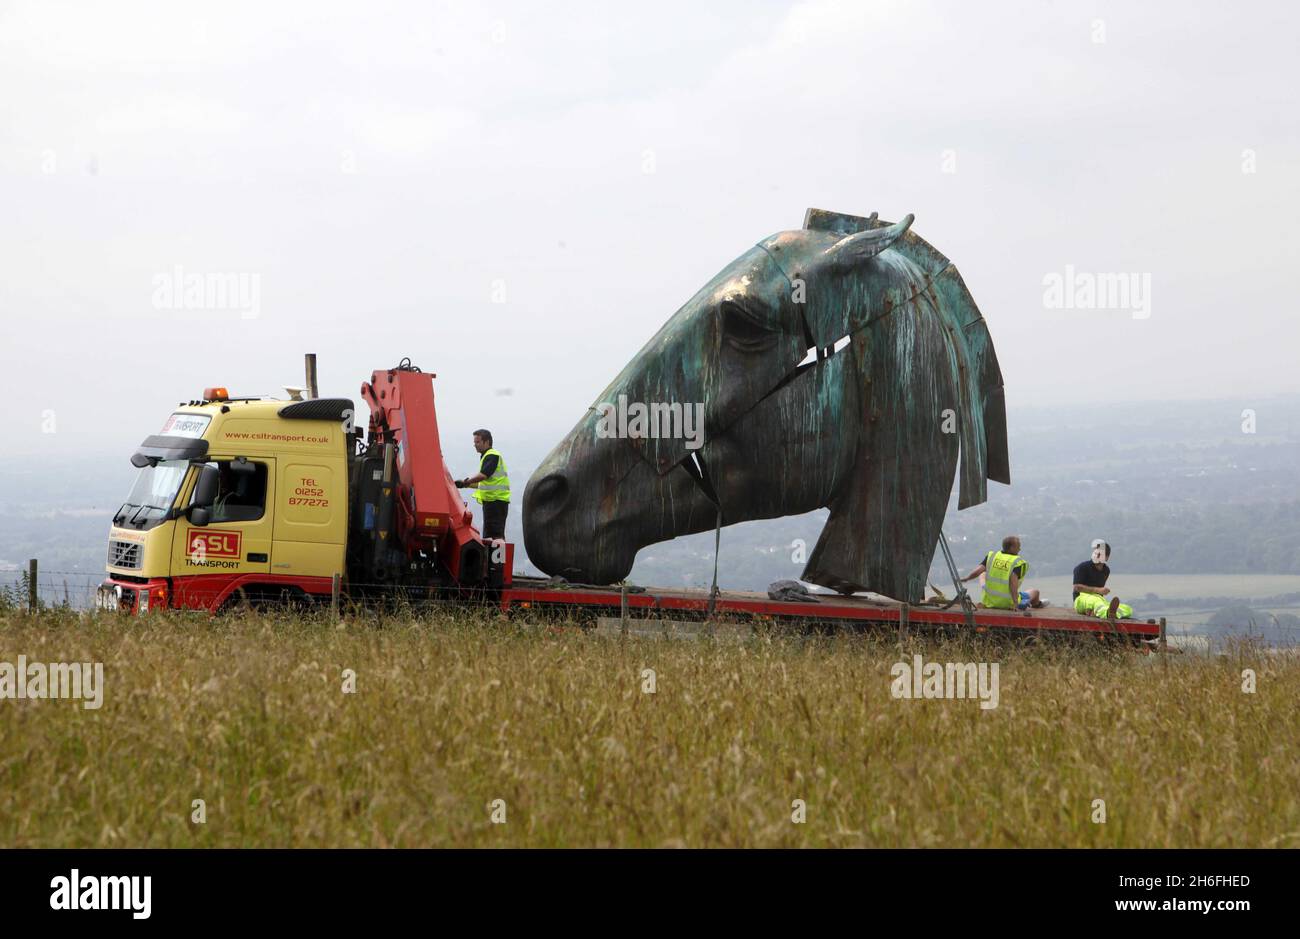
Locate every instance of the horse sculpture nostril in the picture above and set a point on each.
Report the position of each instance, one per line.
(551, 493)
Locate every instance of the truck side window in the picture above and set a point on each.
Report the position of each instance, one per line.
(241, 497)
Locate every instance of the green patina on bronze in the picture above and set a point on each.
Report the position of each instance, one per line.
(874, 431)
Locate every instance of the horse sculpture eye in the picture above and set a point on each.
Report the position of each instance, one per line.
(743, 331)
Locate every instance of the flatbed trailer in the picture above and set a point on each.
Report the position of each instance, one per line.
(828, 609)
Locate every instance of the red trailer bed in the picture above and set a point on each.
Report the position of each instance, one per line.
(861, 610)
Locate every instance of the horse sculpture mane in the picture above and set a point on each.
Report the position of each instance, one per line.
(841, 365)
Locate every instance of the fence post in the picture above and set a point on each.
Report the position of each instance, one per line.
(1164, 636)
(33, 598)
(335, 584)
(622, 608)
(903, 620)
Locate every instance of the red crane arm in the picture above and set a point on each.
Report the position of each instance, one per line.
(431, 512)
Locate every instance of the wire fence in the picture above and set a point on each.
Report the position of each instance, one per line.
(72, 589)
(77, 591)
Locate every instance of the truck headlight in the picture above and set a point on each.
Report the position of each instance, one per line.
(155, 597)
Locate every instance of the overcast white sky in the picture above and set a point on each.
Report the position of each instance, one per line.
(379, 166)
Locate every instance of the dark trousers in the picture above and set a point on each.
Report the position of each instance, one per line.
(494, 518)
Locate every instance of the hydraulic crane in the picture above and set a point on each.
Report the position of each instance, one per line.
(412, 524)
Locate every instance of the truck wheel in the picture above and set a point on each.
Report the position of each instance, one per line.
(240, 602)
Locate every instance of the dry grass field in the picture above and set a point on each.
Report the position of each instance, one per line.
(452, 712)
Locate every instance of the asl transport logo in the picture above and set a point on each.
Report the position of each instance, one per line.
(214, 543)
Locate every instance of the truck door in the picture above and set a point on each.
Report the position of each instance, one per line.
(237, 539)
(311, 517)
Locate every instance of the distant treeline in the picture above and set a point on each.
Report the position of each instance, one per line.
(1161, 539)
(1277, 600)
(1246, 538)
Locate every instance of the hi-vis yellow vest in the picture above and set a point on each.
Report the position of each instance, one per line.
(997, 579)
(496, 488)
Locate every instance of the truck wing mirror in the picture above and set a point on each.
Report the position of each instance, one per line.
(200, 516)
(205, 489)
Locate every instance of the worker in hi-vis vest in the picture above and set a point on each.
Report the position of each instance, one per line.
(1004, 571)
(1090, 586)
(490, 484)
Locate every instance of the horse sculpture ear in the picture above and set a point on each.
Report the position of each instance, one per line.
(854, 249)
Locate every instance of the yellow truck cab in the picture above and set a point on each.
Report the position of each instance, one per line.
(236, 499)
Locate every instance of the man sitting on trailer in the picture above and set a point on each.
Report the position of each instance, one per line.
(1090, 586)
(490, 484)
(1004, 571)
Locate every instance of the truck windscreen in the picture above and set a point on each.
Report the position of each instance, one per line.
(152, 495)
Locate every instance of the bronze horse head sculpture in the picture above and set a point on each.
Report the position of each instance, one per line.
(842, 365)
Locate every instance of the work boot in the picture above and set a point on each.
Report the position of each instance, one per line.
(1114, 606)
